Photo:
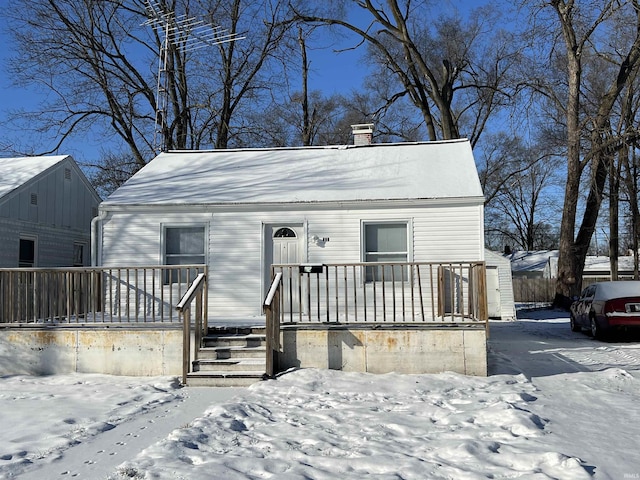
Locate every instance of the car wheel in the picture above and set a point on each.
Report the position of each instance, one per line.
(596, 331)
(574, 326)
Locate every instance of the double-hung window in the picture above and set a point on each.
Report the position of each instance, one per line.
(183, 246)
(385, 242)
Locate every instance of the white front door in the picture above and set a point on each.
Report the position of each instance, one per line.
(285, 246)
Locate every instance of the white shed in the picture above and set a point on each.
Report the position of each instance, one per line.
(500, 299)
(46, 207)
(239, 211)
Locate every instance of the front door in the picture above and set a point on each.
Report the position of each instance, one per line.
(284, 245)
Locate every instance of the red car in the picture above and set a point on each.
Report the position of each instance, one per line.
(607, 306)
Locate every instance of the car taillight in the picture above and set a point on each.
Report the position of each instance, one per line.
(615, 305)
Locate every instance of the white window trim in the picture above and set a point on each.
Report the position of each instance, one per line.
(163, 236)
(364, 222)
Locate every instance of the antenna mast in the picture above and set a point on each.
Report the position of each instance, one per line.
(187, 34)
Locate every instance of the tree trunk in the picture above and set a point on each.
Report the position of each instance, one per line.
(614, 195)
(568, 281)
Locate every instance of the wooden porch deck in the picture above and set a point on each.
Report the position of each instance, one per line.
(369, 295)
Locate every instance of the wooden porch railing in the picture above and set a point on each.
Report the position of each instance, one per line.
(142, 294)
(405, 292)
(271, 310)
(197, 292)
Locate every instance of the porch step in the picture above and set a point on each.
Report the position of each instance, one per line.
(234, 340)
(230, 356)
(223, 379)
(220, 353)
(229, 365)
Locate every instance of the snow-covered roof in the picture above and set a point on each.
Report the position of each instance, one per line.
(531, 261)
(309, 174)
(602, 263)
(14, 172)
(595, 265)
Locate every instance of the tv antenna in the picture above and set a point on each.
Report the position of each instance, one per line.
(187, 34)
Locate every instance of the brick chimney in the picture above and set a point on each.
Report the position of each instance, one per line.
(362, 133)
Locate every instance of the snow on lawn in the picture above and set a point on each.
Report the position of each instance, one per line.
(327, 425)
(42, 417)
(559, 405)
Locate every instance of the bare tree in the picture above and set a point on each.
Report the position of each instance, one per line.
(98, 64)
(585, 87)
(526, 207)
(77, 52)
(439, 63)
(518, 180)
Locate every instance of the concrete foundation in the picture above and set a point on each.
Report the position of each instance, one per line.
(385, 349)
(151, 351)
(112, 351)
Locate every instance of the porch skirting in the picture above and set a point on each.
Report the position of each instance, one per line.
(385, 348)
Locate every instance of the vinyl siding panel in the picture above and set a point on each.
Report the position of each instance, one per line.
(61, 202)
(61, 217)
(237, 243)
(505, 284)
(54, 247)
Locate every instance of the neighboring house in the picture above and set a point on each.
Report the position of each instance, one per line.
(531, 264)
(46, 207)
(500, 299)
(239, 211)
(597, 267)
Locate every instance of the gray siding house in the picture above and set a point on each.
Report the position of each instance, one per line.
(239, 211)
(46, 208)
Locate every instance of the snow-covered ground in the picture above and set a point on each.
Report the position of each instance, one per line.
(556, 405)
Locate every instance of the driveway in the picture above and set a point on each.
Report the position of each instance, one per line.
(540, 343)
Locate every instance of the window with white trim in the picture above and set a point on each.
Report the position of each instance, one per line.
(183, 246)
(385, 242)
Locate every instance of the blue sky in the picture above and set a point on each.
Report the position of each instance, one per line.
(330, 72)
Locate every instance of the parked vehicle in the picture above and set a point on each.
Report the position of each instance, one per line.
(607, 306)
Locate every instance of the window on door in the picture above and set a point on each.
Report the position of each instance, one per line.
(27, 255)
(385, 242)
(183, 246)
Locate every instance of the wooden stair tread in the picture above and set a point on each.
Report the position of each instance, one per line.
(232, 361)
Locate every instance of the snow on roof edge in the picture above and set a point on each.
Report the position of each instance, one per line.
(317, 147)
(17, 171)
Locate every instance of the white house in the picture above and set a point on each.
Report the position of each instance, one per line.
(46, 207)
(239, 211)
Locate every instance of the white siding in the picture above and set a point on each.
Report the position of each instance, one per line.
(507, 304)
(441, 233)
